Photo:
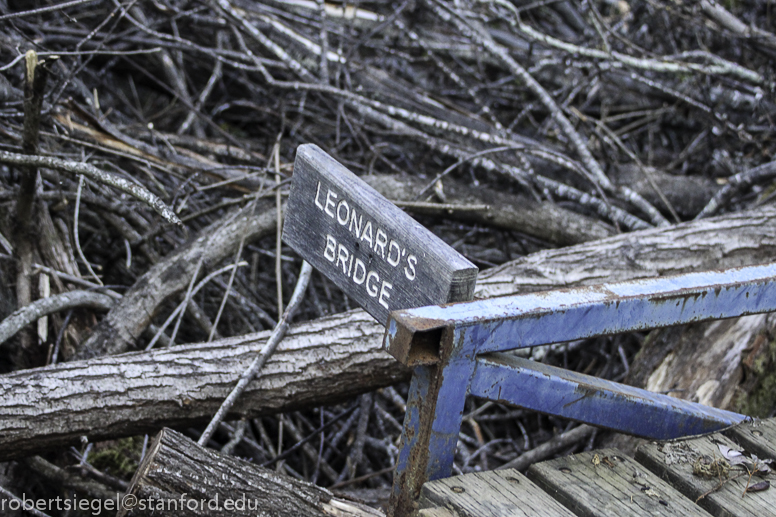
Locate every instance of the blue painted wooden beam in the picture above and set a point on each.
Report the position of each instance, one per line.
(551, 317)
(539, 387)
(433, 420)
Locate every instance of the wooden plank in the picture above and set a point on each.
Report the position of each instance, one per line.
(758, 438)
(605, 483)
(676, 460)
(378, 255)
(502, 493)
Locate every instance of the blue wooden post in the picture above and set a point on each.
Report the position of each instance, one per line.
(434, 411)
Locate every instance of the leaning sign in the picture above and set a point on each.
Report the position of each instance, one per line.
(372, 250)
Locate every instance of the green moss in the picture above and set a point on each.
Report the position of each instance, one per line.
(761, 400)
(118, 458)
(767, 191)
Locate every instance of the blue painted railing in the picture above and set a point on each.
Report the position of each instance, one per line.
(456, 351)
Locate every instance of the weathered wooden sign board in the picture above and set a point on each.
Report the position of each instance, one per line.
(378, 255)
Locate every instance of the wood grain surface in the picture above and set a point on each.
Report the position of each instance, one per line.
(505, 493)
(603, 483)
(378, 255)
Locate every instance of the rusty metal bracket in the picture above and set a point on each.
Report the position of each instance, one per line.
(455, 350)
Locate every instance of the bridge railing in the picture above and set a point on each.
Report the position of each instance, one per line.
(458, 350)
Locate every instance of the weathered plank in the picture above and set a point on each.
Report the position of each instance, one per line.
(721, 495)
(437, 512)
(371, 249)
(759, 438)
(604, 483)
(506, 493)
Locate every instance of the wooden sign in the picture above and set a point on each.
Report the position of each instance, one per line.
(378, 255)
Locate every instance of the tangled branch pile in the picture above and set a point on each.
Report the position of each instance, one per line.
(146, 149)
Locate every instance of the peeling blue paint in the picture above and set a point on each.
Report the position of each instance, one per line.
(547, 389)
(469, 363)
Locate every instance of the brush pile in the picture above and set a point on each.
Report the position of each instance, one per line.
(145, 154)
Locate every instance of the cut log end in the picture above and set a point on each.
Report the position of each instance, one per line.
(178, 477)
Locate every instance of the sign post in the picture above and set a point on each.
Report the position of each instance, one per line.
(378, 255)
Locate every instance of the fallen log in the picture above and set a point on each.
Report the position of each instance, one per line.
(178, 477)
(730, 241)
(329, 359)
(544, 220)
(727, 364)
(319, 362)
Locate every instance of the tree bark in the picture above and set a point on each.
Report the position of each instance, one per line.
(319, 362)
(733, 240)
(190, 480)
(544, 220)
(328, 359)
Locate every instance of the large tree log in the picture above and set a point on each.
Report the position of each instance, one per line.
(330, 358)
(734, 240)
(189, 480)
(727, 364)
(319, 362)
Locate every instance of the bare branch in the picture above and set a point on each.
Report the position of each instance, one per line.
(728, 20)
(548, 448)
(666, 65)
(41, 10)
(45, 306)
(93, 173)
(269, 348)
(736, 184)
